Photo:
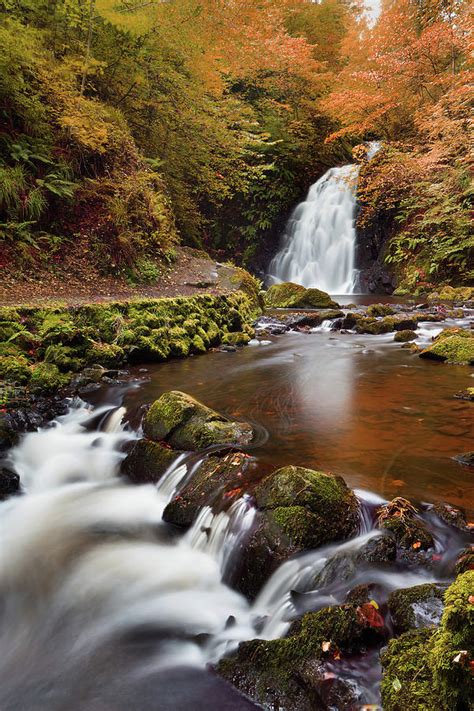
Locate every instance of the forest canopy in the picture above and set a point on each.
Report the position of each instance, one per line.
(128, 127)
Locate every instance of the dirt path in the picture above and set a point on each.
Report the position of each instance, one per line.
(81, 282)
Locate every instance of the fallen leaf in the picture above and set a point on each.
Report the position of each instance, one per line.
(369, 615)
(416, 545)
(374, 604)
(470, 599)
(325, 646)
(459, 658)
(396, 684)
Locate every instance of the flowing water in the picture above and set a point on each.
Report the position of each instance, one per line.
(104, 607)
(319, 243)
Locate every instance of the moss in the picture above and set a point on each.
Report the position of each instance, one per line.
(236, 339)
(289, 295)
(409, 532)
(298, 524)
(15, 369)
(148, 461)
(65, 357)
(404, 336)
(453, 346)
(333, 506)
(45, 377)
(450, 293)
(107, 354)
(56, 327)
(418, 606)
(380, 310)
(407, 681)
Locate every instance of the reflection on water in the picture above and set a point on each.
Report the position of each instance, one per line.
(359, 406)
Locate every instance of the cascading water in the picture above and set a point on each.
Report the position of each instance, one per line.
(318, 246)
(98, 594)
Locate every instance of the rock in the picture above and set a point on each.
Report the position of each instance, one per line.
(401, 518)
(380, 550)
(217, 479)
(406, 324)
(451, 515)
(449, 293)
(290, 673)
(453, 345)
(187, 424)
(235, 339)
(465, 560)
(467, 394)
(434, 665)
(467, 459)
(9, 483)
(295, 296)
(380, 310)
(8, 434)
(148, 461)
(416, 607)
(404, 336)
(300, 509)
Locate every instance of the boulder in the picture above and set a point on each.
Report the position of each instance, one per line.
(453, 345)
(294, 296)
(148, 461)
(9, 483)
(300, 509)
(380, 310)
(380, 550)
(417, 607)
(187, 424)
(404, 336)
(217, 479)
(451, 515)
(467, 459)
(401, 518)
(290, 673)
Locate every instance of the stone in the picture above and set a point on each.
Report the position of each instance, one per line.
(452, 345)
(417, 607)
(404, 336)
(401, 518)
(9, 483)
(294, 296)
(217, 479)
(187, 424)
(148, 461)
(467, 459)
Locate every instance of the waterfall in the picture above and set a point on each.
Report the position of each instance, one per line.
(318, 245)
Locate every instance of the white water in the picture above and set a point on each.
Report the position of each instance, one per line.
(85, 560)
(318, 246)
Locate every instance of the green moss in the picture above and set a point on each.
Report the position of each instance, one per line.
(65, 357)
(236, 339)
(453, 346)
(403, 604)
(407, 681)
(289, 295)
(106, 354)
(15, 369)
(298, 524)
(45, 377)
(409, 532)
(380, 310)
(450, 293)
(56, 327)
(404, 336)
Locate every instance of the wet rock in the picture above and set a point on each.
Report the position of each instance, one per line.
(434, 664)
(380, 310)
(417, 607)
(452, 515)
(290, 673)
(300, 509)
(467, 459)
(295, 296)
(148, 461)
(187, 424)
(450, 293)
(465, 561)
(9, 483)
(404, 336)
(453, 345)
(235, 339)
(217, 479)
(380, 550)
(406, 324)
(8, 433)
(271, 326)
(401, 518)
(467, 394)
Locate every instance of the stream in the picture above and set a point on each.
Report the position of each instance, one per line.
(105, 607)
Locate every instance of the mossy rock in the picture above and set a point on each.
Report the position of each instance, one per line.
(215, 477)
(380, 310)
(289, 673)
(46, 377)
(236, 339)
(407, 681)
(450, 293)
(65, 357)
(406, 324)
(430, 668)
(15, 369)
(404, 336)
(148, 461)
(417, 607)
(453, 346)
(106, 354)
(294, 296)
(410, 532)
(300, 509)
(187, 424)
(380, 551)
